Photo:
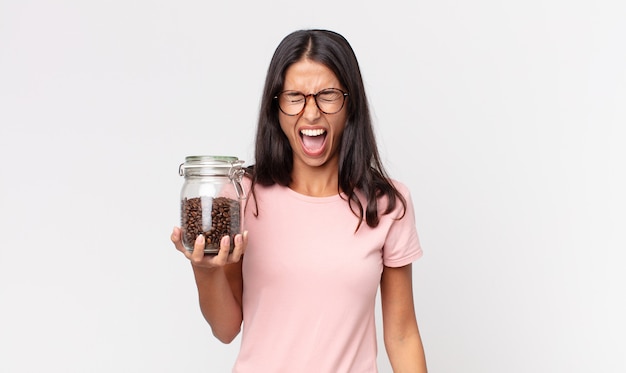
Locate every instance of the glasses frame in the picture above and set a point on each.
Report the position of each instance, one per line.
(306, 99)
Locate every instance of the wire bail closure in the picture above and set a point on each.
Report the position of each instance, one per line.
(235, 174)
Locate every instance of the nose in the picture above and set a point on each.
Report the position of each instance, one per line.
(311, 111)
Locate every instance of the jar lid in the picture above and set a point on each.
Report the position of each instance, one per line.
(210, 165)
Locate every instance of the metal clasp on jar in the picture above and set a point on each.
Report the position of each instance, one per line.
(235, 174)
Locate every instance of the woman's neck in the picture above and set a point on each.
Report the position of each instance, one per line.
(315, 181)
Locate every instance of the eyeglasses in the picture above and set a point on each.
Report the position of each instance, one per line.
(329, 101)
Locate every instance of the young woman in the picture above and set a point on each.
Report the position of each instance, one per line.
(325, 227)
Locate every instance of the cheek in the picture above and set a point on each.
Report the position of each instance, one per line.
(287, 125)
(339, 125)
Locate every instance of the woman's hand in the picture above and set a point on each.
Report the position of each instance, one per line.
(223, 257)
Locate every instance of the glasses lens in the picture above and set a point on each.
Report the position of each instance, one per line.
(330, 101)
(291, 102)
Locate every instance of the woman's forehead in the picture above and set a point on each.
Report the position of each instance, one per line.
(309, 77)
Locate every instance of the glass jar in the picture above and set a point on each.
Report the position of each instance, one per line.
(211, 200)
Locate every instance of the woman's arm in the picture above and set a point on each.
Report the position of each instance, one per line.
(401, 334)
(219, 282)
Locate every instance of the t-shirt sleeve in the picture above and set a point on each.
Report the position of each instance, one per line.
(402, 245)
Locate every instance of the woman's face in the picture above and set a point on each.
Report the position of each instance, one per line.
(313, 135)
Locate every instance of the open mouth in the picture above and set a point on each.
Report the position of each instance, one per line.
(313, 140)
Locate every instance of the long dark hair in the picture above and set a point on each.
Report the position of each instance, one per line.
(360, 167)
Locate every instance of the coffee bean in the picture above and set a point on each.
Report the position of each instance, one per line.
(212, 217)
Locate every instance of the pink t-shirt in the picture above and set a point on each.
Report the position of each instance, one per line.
(310, 282)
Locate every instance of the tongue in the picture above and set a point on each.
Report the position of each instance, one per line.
(313, 142)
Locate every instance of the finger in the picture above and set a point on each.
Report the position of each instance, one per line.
(240, 245)
(198, 250)
(245, 241)
(222, 255)
(176, 239)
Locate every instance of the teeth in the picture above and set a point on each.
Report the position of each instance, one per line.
(315, 132)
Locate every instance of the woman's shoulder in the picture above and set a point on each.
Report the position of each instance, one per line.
(401, 199)
(402, 188)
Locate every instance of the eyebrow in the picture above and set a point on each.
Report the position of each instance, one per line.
(300, 92)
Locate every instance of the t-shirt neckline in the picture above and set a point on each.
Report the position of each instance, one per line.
(312, 199)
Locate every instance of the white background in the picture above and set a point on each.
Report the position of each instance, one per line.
(505, 118)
